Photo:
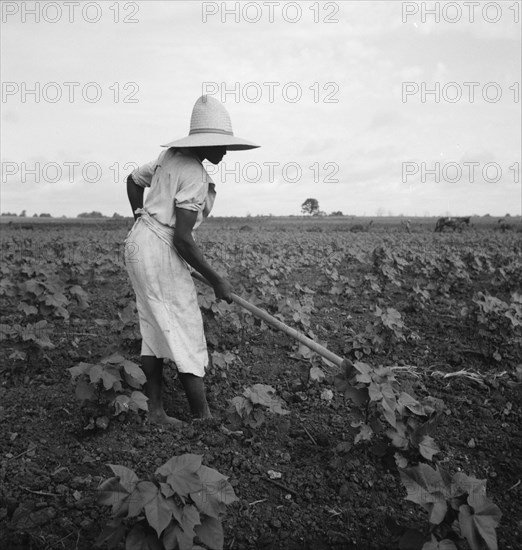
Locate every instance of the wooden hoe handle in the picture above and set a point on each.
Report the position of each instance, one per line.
(276, 323)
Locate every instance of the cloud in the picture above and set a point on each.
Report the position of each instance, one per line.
(361, 62)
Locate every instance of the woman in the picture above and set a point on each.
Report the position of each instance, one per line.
(160, 248)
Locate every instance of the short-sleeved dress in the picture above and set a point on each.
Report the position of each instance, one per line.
(171, 325)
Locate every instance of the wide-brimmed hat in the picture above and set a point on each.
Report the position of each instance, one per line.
(210, 126)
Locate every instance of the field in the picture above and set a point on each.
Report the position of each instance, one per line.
(314, 466)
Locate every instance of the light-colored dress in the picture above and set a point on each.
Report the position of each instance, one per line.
(171, 325)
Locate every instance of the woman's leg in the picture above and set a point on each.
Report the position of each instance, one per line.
(194, 387)
(153, 369)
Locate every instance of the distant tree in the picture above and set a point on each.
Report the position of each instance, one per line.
(45, 215)
(9, 214)
(23, 214)
(93, 214)
(117, 216)
(310, 206)
(35, 215)
(336, 213)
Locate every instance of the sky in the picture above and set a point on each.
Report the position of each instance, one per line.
(371, 107)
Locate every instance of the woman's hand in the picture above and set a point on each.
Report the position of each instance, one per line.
(223, 290)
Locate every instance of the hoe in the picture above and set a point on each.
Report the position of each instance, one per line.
(345, 364)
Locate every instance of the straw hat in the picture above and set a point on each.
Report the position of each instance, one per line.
(210, 126)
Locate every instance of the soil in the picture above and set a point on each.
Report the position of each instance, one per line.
(332, 494)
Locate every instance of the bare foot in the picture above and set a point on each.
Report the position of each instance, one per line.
(205, 417)
(205, 414)
(161, 418)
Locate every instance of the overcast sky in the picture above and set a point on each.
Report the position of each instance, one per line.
(361, 138)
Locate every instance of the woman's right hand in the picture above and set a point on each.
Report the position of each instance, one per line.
(223, 290)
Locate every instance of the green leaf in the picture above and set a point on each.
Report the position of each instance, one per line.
(479, 527)
(79, 369)
(175, 538)
(148, 491)
(365, 434)
(421, 481)
(437, 510)
(169, 538)
(121, 404)
(57, 300)
(95, 374)
(407, 401)
(34, 287)
(242, 405)
(80, 295)
(166, 490)
(388, 409)
(222, 360)
(134, 376)
(85, 391)
(140, 400)
(427, 487)
(189, 519)
(374, 392)
(127, 476)
(359, 396)
(210, 532)
(180, 472)
(215, 494)
(111, 492)
(174, 509)
(38, 333)
(114, 359)
(475, 488)
(262, 394)
(141, 538)
(135, 503)
(428, 448)
(182, 536)
(217, 485)
(398, 437)
(363, 377)
(362, 368)
(27, 309)
(157, 511)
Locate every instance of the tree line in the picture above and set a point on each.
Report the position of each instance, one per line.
(93, 214)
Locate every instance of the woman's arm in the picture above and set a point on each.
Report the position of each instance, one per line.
(135, 194)
(189, 251)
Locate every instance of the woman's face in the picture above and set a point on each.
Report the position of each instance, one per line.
(212, 154)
